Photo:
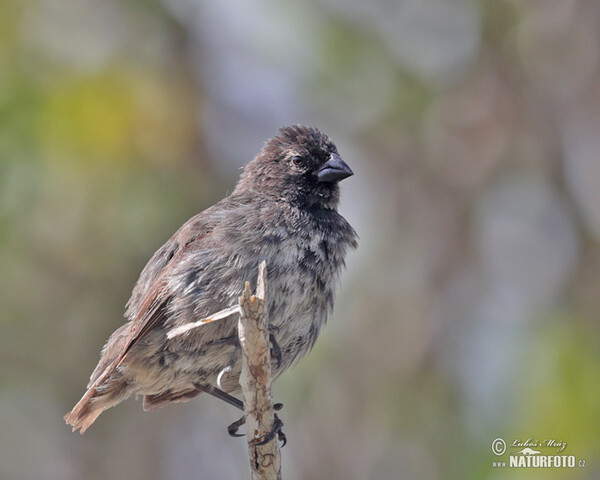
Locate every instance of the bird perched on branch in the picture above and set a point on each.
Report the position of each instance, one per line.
(284, 211)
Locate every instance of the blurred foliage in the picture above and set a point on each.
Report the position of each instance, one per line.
(469, 312)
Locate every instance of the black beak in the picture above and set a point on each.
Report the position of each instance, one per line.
(334, 170)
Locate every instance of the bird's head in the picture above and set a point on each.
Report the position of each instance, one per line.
(300, 166)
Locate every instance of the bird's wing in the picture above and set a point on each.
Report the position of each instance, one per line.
(148, 303)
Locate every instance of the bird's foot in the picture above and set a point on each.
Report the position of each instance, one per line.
(234, 427)
(276, 431)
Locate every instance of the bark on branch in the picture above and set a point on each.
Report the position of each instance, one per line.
(255, 380)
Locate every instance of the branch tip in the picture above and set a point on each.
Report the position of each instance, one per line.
(261, 283)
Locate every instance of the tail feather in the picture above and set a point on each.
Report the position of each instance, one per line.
(84, 413)
(97, 399)
(106, 387)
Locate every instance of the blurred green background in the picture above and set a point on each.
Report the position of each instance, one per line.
(470, 310)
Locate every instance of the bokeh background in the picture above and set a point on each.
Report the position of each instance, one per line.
(470, 310)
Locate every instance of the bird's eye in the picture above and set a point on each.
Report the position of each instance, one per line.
(298, 161)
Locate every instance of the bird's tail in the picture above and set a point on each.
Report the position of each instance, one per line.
(97, 399)
(85, 412)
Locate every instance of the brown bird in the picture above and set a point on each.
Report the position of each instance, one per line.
(284, 211)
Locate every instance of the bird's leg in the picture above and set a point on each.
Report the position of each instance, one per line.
(275, 350)
(221, 395)
(234, 427)
(231, 400)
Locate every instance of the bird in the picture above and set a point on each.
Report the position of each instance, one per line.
(284, 211)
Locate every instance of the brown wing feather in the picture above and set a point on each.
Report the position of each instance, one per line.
(148, 303)
(115, 351)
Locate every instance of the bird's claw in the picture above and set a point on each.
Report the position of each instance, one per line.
(275, 432)
(234, 427)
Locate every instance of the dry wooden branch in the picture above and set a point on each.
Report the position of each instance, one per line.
(255, 380)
